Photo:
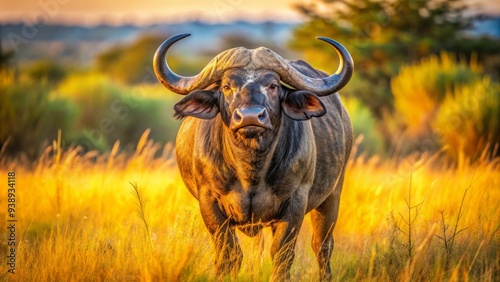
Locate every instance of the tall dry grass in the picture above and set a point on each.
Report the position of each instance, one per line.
(78, 221)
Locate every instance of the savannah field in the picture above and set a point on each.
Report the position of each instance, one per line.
(118, 217)
(421, 196)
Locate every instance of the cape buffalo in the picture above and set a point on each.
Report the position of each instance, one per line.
(250, 151)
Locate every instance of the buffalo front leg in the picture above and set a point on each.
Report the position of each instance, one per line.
(285, 234)
(228, 254)
(323, 220)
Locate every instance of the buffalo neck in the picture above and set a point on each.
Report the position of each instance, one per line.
(250, 164)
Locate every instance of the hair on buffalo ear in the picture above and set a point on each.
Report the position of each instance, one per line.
(302, 105)
(199, 103)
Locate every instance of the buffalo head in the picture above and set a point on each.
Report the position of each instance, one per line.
(247, 87)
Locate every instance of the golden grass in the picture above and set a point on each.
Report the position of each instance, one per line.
(78, 221)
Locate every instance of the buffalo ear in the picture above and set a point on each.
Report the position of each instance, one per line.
(199, 103)
(302, 105)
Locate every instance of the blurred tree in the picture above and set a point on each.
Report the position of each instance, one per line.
(5, 55)
(232, 40)
(29, 118)
(109, 111)
(46, 70)
(384, 34)
(130, 64)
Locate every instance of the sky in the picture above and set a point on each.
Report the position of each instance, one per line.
(90, 12)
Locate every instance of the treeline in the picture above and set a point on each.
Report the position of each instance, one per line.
(428, 84)
(116, 98)
(422, 83)
(90, 109)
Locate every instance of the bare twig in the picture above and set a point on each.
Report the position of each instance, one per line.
(408, 228)
(449, 240)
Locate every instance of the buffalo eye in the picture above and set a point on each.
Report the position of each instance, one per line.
(226, 88)
(273, 87)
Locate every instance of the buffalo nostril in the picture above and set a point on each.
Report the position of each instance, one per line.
(262, 115)
(237, 117)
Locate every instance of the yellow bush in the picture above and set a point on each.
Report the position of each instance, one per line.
(468, 121)
(419, 89)
(449, 103)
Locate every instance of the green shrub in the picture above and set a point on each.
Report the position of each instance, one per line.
(93, 92)
(109, 111)
(155, 111)
(29, 118)
(91, 110)
(364, 124)
(129, 64)
(468, 121)
(46, 70)
(152, 113)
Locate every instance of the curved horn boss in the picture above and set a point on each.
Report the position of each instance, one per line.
(233, 58)
(261, 58)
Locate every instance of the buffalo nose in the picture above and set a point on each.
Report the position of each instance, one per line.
(250, 117)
